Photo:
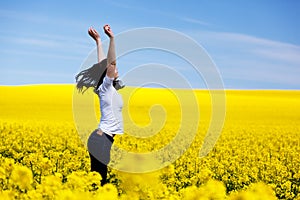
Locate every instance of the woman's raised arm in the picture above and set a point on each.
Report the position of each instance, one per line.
(95, 35)
(111, 55)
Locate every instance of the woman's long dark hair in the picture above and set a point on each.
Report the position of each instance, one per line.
(91, 77)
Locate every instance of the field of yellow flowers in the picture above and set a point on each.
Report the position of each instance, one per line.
(43, 153)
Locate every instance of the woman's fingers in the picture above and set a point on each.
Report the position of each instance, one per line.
(90, 31)
(107, 30)
(93, 33)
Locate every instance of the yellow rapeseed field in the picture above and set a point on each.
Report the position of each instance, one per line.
(44, 129)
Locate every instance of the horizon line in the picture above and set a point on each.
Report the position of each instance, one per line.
(129, 86)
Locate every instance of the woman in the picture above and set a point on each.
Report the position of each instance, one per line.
(103, 76)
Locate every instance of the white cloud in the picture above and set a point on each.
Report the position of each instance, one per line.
(44, 46)
(265, 47)
(22, 16)
(41, 76)
(195, 21)
(37, 42)
(244, 57)
(40, 54)
(286, 54)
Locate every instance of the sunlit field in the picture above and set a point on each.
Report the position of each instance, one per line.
(43, 131)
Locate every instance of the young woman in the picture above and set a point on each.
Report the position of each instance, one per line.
(103, 76)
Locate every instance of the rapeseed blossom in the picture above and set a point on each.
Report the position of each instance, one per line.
(43, 156)
(21, 177)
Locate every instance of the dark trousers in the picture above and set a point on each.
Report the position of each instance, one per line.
(99, 147)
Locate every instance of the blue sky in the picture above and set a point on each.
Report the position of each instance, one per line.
(254, 44)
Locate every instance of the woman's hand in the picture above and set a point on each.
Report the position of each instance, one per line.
(108, 31)
(94, 34)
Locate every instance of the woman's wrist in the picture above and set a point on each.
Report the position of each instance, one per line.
(98, 42)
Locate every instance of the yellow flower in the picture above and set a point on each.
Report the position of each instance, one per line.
(6, 195)
(22, 177)
(213, 190)
(107, 192)
(259, 142)
(257, 191)
(2, 173)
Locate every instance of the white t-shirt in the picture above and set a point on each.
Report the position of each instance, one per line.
(111, 105)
